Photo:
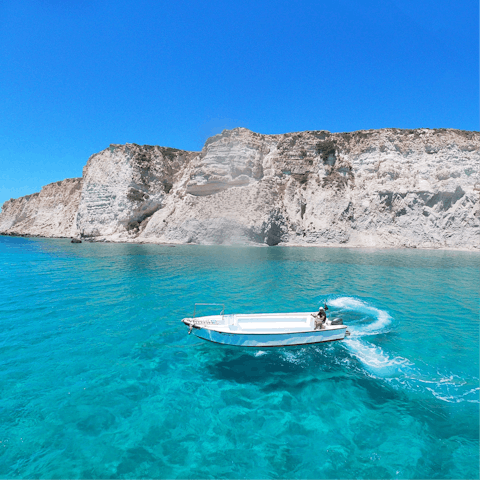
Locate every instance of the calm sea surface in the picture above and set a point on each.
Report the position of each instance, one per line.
(99, 378)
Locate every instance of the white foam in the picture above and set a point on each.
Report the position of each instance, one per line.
(376, 360)
(397, 370)
(381, 318)
(297, 357)
(449, 388)
(400, 371)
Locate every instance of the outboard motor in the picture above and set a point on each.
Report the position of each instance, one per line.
(336, 321)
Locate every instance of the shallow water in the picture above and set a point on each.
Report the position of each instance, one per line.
(99, 378)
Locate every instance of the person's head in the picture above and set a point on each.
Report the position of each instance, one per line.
(321, 309)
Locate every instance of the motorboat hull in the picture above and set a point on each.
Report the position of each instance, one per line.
(265, 329)
(270, 339)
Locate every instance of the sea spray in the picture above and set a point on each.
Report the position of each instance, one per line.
(376, 360)
(397, 370)
(375, 320)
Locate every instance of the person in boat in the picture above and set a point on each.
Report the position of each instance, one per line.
(322, 317)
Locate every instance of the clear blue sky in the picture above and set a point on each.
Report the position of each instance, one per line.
(76, 76)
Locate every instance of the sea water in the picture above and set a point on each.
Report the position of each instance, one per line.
(99, 378)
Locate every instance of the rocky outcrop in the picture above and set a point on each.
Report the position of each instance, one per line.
(413, 188)
(381, 188)
(124, 185)
(50, 213)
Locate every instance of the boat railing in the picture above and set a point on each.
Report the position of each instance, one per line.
(210, 304)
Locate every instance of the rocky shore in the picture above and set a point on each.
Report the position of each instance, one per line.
(376, 188)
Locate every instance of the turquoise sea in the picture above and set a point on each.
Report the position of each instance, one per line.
(99, 378)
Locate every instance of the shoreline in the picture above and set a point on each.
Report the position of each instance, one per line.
(297, 245)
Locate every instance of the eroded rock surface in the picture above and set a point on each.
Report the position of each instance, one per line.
(382, 188)
(124, 185)
(50, 213)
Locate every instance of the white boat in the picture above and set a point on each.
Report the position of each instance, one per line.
(265, 329)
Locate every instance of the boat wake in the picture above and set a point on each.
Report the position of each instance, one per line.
(366, 320)
(398, 371)
(362, 318)
(376, 360)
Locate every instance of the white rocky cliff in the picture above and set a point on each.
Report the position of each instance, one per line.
(50, 213)
(382, 188)
(124, 185)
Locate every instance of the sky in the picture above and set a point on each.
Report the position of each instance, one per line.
(78, 75)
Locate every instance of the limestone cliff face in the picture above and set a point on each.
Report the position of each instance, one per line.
(124, 185)
(391, 187)
(50, 213)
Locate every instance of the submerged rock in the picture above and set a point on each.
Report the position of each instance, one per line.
(391, 187)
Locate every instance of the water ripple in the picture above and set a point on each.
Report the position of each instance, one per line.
(100, 380)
